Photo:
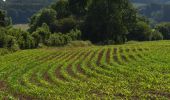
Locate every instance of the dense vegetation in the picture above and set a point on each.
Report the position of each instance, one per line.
(64, 21)
(99, 21)
(15, 39)
(131, 71)
(77, 69)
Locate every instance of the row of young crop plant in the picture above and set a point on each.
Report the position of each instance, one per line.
(92, 72)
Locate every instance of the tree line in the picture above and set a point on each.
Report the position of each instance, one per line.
(100, 21)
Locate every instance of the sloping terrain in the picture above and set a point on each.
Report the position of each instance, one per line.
(131, 71)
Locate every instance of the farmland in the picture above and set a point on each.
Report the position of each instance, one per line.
(130, 71)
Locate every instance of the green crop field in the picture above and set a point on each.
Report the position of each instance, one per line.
(130, 71)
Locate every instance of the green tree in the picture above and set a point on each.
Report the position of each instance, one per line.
(62, 9)
(75, 34)
(66, 24)
(141, 32)
(3, 33)
(164, 28)
(7, 40)
(46, 15)
(78, 7)
(156, 35)
(106, 20)
(41, 34)
(4, 20)
(26, 41)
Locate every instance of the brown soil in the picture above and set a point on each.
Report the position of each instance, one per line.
(100, 57)
(124, 58)
(58, 73)
(115, 57)
(158, 93)
(3, 85)
(115, 51)
(108, 55)
(70, 71)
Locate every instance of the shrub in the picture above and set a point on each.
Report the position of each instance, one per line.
(26, 41)
(11, 43)
(164, 28)
(59, 39)
(79, 44)
(16, 38)
(156, 35)
(4, 51)
(67, 38)
(14, 32)
(2, 36)
(36, 37)
(56, 39)
(75, 34)
(141, 32)
(42, 34)
(7, 40)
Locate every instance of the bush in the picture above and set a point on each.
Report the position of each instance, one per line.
(36, 37)
(141, 32)
(15, 32)
(164, 28)
(67, 38)
(56, 39)
(156, 35)
(79, 44)
(26, 41)
(4, 51)
(7, 40)
(2, 37)
(42, 34)
(75, 34)
(11, 43)
(16, 38)
(59, 39)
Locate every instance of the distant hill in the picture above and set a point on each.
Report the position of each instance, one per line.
(156, 10)
(21, 10)
(150, 1)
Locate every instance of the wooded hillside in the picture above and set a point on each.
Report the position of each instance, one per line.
(151, 1)
(21, 10)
